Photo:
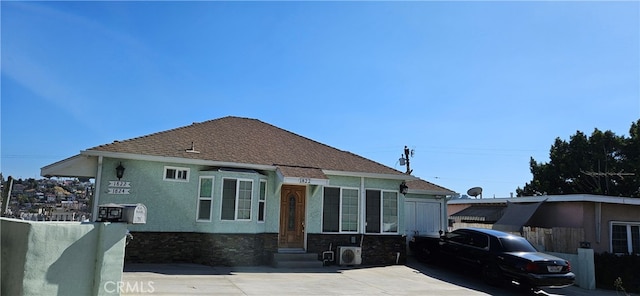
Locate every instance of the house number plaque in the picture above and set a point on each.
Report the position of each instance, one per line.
(305, 181)
(119, 187)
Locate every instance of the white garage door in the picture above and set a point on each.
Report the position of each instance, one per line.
(423, 218)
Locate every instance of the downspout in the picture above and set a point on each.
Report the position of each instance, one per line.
(363, 201)
(96, 194)
(598, 221)
(444, 217)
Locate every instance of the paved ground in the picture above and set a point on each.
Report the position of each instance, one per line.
(412, 279)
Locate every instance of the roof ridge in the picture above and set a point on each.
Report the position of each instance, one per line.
(165, 131)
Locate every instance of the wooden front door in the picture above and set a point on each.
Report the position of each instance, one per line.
(292, 214)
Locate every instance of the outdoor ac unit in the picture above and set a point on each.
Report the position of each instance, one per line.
(349, 255)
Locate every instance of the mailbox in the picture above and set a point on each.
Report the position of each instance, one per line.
(135, 214)
(110, 213)
(128, 213)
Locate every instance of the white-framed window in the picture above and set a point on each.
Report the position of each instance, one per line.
(205, 199)
(176, 174)
(262, 200)
(340, 209)
(381, 211)
(625, 237)
(236, 199)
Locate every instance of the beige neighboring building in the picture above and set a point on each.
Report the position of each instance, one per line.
(611, 224)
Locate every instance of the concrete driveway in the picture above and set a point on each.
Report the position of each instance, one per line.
(412, 279)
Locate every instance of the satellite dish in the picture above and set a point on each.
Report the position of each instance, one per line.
(475, 191)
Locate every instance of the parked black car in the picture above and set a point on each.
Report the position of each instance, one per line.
(499, 256)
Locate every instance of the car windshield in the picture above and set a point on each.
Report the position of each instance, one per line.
(516, 244)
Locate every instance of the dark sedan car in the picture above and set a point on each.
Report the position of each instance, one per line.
(500, 257)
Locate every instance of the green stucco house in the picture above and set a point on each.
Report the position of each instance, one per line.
(235, 191)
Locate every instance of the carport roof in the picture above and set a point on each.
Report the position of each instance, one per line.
(479, 213)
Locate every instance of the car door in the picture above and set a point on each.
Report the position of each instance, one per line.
(477, 249)
(454, 244)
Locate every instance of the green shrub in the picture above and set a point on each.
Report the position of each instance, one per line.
(617, 272)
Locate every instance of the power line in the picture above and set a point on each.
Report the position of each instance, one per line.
(620, 174)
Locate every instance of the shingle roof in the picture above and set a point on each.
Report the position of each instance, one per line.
(251, 141)
(245, 140)
(427, 186)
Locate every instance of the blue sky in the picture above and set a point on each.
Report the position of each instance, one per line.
(475, 88)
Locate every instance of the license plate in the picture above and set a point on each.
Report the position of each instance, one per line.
(554, 268)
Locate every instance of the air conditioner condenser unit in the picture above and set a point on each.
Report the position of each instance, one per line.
(349, 255)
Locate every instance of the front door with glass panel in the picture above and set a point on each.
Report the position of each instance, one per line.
(292, 213)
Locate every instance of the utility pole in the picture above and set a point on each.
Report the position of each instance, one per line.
(404, 159)
(6, 195)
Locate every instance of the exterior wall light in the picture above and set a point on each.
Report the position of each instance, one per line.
(403, 187)
(119, 171)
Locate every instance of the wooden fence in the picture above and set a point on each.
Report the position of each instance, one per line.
(556, 239)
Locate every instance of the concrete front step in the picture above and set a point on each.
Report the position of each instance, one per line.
(296, 260)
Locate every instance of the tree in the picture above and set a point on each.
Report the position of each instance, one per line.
(602, 163)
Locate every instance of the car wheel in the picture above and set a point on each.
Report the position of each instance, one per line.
(491, 274)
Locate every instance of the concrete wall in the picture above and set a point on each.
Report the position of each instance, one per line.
(583, 266)
(61, 258)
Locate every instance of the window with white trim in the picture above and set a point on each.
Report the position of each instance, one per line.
(340, 210)
(262, 200)
(176, 174)
(625, 237)
(205, 199)
(381, 211)
(236, 199)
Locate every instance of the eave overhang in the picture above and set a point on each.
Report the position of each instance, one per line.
(180, 160)
(76, 166)
(400, 177)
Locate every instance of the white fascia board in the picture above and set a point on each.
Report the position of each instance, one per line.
(178, 160)
(371, 175)
(431, 192)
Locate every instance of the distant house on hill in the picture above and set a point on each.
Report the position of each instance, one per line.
(233, 191)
